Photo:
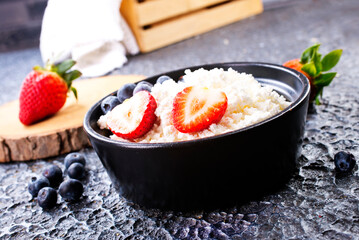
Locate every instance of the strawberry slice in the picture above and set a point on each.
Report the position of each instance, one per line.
(196, 108)
(134, 117)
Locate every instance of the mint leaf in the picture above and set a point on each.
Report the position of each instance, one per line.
(324, 79)
(331, 59)
(310, 69)
(308, 53)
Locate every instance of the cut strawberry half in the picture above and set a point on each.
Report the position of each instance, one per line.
(134, 117)
(196, 108)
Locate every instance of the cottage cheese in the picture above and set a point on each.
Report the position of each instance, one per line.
(248, 103)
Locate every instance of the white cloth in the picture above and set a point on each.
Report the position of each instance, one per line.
(91, 32)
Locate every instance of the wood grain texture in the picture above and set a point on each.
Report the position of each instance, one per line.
(159, 23)
(60, 133)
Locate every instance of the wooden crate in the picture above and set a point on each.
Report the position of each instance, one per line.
(158, 23)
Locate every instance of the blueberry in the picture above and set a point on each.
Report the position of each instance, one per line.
(344, 162)
(54, 174)
(162, 79)
(109, 103)
(142, 86)
(74, 157)
(71, 190)
(76, 171)
(37, 184)
(125, 92)
(47, 197)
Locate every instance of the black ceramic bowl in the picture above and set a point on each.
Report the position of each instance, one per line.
(216, 171)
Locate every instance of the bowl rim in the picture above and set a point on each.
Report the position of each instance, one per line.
(304, 93)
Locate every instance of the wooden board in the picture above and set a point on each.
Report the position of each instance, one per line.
(59, 134)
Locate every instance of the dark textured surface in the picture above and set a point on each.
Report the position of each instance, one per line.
(316, 204)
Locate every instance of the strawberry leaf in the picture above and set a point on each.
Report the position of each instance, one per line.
(38, 68)
(70, 76)
(74, 91)
(317, 101)
(318, 64)
(64, 66)
(324, 79)
(318, 95)
(331, 59)
(308, 53)
(310, 69)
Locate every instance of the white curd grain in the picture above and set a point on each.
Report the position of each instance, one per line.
(248, 103)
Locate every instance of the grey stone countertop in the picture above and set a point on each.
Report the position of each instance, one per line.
(315, 204)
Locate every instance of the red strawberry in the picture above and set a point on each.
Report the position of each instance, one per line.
(196, 108)
(134, 117)
(296, 65)
(44, 91)
(312, 65)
